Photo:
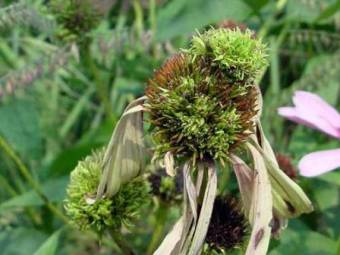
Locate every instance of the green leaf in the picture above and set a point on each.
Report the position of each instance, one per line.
(194, 14)
(329, 11)
(20, 241)
(53, 189)
(327, 196)
(332, 177)
(256, 5)
(19, 125)
(302, 11)
(302, 240)
(49, 247)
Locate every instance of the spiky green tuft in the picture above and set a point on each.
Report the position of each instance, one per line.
(201, 104)
(238, 53)
(87, 212)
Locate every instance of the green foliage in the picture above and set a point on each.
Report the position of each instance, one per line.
(22, 14)
(56, 105)
(86, 211)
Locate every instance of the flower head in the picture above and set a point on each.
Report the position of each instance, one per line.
(88, 212)
(202, 102)
(312, 111)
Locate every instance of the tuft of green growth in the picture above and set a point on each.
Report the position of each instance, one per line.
(202, 102)
(75, 17)
(240, 54)
(87, 212)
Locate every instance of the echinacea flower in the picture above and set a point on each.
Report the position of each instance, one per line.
(312, 111)
(203, 107)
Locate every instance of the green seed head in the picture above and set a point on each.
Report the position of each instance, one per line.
(75, 17)
(202, 101)
(88, 212)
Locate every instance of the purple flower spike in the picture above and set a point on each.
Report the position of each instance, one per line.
(312, 111)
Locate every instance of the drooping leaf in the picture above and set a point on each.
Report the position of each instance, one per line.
(289, 198)
(124, 156)
(205, 212)
(245, 178)
(261, 207)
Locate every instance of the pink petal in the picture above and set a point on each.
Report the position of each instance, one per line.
(320, 162)
(292, 114)
(306, 116)
(314, 103)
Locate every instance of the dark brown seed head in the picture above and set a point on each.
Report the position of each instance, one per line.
(228, 227)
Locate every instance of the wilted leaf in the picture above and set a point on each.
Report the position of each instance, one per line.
(261, 207)
(205, 212)
(124, 156)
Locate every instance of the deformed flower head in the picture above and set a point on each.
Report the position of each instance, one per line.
(87, 212)
(228, 228)
(202, 102)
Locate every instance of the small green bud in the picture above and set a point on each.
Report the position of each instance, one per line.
(88, 212)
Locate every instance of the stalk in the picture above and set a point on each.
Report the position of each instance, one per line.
(30, 180)
(161, 216)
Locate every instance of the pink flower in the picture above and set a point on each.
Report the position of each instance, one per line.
(312, 111)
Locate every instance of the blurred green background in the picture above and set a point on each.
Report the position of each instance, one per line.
(69, 67)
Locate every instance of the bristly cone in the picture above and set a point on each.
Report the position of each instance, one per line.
(228, 228)
(87, 212)
(201, 105)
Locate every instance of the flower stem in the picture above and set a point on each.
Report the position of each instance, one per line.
(121, 242)
(157, 235)
(30, 180)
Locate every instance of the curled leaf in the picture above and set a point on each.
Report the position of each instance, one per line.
(124, 156)
(289, 199)
(206, 211)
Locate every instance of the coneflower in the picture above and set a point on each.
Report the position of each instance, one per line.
(203, 107)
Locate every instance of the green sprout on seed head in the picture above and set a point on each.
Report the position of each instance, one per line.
(87, 212)
(239, 53)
